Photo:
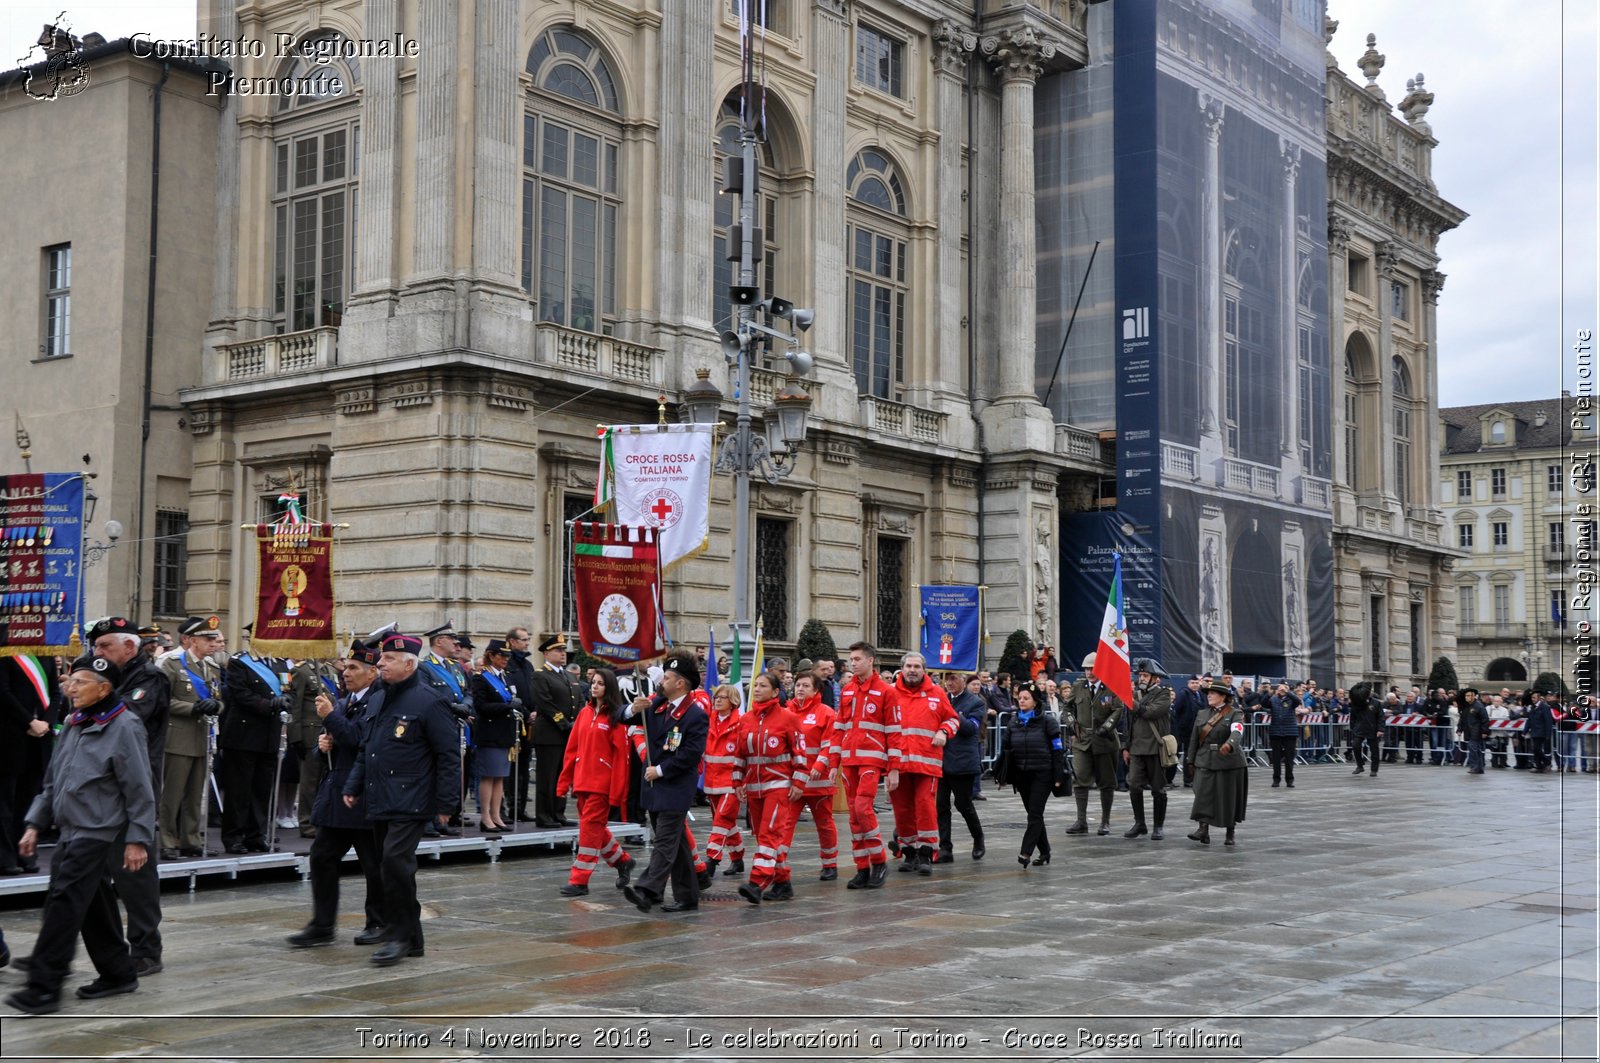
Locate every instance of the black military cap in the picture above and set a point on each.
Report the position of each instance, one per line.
(100, 668)
(464, 642)
(496, 646)
(111, 625)
(683, 664)
(446, 628)
(200, 625)
(552, 640)
(1149, 665)
(364, 653)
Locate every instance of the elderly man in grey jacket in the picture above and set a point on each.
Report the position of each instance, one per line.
(96, 790)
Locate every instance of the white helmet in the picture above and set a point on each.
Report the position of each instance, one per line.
(1088, 662)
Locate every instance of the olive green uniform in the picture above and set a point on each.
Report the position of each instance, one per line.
(1091, 716)
(183, 795)
(1150, 721)
(1221, 782)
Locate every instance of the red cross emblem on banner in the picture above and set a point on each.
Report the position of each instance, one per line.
(665, 511)
(662, 509)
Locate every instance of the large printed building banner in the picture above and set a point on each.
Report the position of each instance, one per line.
(952, 626)
(41, 565)
(294, 603)
(616, 588)
(659, 476)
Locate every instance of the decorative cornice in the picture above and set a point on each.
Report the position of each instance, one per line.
(509, 396)
(1018, 54)
(1432, 285)
(1212, 112)
(952, 44)
(1289, 154)
(1338, 236)
(840, 451)
(354, 400)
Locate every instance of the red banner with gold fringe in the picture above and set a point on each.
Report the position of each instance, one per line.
(294, 599)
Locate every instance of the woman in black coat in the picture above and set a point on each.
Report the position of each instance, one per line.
(963, 762)
(1031, 758)
(494, 732)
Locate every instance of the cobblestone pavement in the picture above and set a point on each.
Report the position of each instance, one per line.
(1422, 914)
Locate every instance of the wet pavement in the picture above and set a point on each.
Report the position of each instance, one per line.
(1422, 914)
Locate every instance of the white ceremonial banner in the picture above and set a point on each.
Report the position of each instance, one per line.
(659, 476)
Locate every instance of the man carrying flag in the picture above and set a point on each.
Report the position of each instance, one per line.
(1092, 707)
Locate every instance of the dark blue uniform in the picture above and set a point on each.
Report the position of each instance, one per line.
(340, 828)
(408, 771)
(677, 740)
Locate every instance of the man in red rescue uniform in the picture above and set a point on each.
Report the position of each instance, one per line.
(816, 727)
(862, 733)
(771, 771)
(916, 760)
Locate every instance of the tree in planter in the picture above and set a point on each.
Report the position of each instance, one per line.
(815, 642)
(1019, 647)
(1443, 675)
(1552, 681)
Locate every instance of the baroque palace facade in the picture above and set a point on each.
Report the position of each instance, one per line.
(435, 274)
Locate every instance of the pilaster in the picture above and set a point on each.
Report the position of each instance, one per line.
(686, 181)
(1212, 112)
(1288, 303)
(830, 35)
(363, 336)
(952, 47)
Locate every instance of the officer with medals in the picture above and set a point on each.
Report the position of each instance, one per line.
(248, 733)
(1093, 711)
(346, 719)
(440, 670)
(194, 675)
(557, 697)
(409, 773)
(675, 728)
(145, 691)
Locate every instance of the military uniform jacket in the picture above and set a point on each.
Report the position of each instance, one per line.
(248, 722)
(556, 701)
(347, 725)
(1088, 706)
(495, 728)
(1150, 719)
(188, 729)
(446, 677)
(1228, 729)
(98, 782)
(305, 684)
(409, 767)
(676, 739)
(146, 693)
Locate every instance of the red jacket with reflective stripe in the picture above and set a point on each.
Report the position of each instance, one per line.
(596, 761)
(866, 721)
(772, 753)
(922, 713)
(721, 752)
(816, 727)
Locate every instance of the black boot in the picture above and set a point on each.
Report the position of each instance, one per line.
(925, 860)
(859, 882)
(1201, 834)
(1082, 826)
(735, 869)
(1161, 817)
(1138, 828)
(1106, 797)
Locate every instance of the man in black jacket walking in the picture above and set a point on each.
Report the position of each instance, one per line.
(409, 771)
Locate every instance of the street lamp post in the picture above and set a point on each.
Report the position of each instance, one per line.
(744, 452)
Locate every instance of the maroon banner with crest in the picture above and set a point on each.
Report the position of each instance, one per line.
(294, 603)
(616, 581)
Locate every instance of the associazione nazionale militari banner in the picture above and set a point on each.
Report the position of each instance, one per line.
(616, 575)
(41, 563)
(294, 600)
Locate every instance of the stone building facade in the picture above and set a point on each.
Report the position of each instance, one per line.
(1394, 606)
(1511, 473)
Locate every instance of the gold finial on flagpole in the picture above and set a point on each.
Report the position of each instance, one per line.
(661, 410)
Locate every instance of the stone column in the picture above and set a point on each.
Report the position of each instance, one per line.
(434, 211)
(364, 336)
(686, 113)
(223, 24)
(1338, 244)
(1288, 306)
(1388, 265)
(830, 37)
(1428, 370)
(952, 45)
(1212, 111)
(1019, 57)
(497, 136)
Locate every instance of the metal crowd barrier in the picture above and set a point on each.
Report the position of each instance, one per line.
(1258, 746)
(1316, 740)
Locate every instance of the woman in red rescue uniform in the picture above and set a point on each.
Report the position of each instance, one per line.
(771, 771)
(816, 727)
(595, 768)
(916, 761)
(717, 765)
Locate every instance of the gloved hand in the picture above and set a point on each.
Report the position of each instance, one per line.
(280, 703)
(461, 710)
(208, 706)
(515, 704)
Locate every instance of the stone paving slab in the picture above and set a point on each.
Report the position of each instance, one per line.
(1335, 929)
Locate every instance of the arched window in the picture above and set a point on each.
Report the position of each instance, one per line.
(316, 156)
(1352, 422)
(1403, 403)
(877, 237)
(571, 154)
(1249, 409)
(1497, 432)
(726, 215)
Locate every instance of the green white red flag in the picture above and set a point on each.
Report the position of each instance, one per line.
(1111, 664)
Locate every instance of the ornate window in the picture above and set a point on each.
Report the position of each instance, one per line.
(1555, 481)
(316, 160)
(880, 60)
(771, 15)
(571, 154)
(1497, 432)
(1249, 409)
(876, 239)
(769, 216)
(772, 576)
(1464, 536)
(1375, 606)
(1352, 425)
(1403, 403)
(891, 591)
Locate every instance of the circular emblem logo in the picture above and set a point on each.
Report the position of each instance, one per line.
(871, 708)
(772, 742)
(731, 747)
(100, 664)
(664, 510)
(618, 618)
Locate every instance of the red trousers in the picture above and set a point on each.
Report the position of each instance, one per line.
(595, 842)
(821, 806)
(725, 838)
(860, 787)
(774, 817)
(916, 813)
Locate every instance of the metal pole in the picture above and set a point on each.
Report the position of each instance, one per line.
(748, 217)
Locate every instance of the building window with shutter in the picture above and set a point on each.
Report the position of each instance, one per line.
(772, 577)
(891, 592)
(171, 562)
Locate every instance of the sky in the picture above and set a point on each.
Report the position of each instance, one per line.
(1514, 113)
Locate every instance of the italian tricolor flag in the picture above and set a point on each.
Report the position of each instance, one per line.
(1111, 665)
(602, 484)
(613, 550)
